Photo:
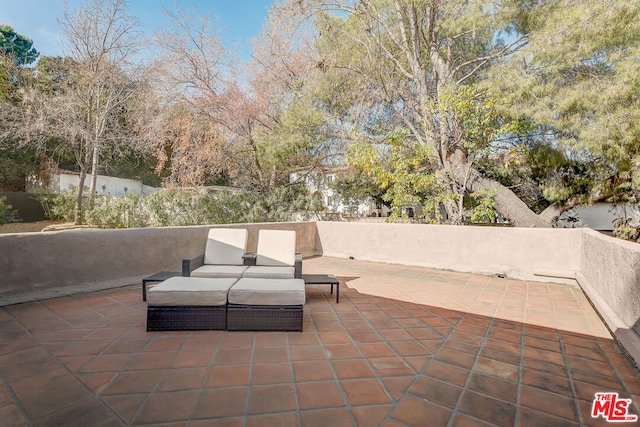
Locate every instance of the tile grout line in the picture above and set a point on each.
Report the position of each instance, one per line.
(16, 401)
(152, 393)
(293, 377)
(456, 409)
(247, 395)
(40, 344)
(206, 377)
(521, 364)
(417, 375)
(576, 399)
(347, 404)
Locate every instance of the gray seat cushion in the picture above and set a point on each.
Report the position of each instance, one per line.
(219, 271)
(178, 291)
(265, 272)
(267, 292)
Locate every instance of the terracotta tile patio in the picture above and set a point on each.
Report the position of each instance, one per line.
(405, 346)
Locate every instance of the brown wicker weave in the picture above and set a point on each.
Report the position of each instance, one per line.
(187, 317)
(264, 317)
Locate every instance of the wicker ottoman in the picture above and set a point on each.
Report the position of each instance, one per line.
(188, 303)
(266, 305)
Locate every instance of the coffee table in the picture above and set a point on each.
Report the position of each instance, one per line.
(157, 278)
(323, 279)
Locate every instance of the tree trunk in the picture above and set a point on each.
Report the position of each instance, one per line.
(77, 212)
(94, 171)
(508, 204)
(552, 212)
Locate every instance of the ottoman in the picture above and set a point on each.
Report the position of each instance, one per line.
(266, 305)
(188, 303)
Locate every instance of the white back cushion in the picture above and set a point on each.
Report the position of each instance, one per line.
(226, 246)
(276, 247)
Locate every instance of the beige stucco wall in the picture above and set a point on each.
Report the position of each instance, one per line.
(612, 266)
(606, 268)
(610, 276)
(41, 265)
(524, 253)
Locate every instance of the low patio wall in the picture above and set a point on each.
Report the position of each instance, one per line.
(522, 253)
(43, 265)
(610, 276)
(606, 268)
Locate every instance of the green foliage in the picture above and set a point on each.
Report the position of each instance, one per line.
(625, 227)
(541, 173)
(17, 46)
(15, 166)
(484, 210)
(58, 206)
(355, 189)
(578, 78)
(7, 214)
(181, 208)
(55, 75)
(401, 169)
(479, 120)
(116, 212)
(292, 140)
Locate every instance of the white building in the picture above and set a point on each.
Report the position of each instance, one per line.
(598, 216)
(318, 183)
(60, 181)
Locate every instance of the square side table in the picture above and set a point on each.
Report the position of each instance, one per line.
(323, 279)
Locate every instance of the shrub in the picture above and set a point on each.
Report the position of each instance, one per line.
(173, 207)
(7, 214)
(116, 212)
(58, 206)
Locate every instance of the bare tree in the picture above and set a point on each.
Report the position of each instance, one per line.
(179, 117)
(101, 39)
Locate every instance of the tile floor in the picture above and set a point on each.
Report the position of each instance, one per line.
(406, 346)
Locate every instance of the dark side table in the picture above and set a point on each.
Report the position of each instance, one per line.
(157, 278)
(323, 279)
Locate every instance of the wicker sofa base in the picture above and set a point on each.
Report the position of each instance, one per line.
(187, 317)
(264, 317)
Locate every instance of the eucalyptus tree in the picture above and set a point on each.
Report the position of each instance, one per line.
(578, 77)
(404, 76)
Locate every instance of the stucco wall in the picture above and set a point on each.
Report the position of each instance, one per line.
(39, 265)
(612, 266)
(524, 253)
(610, 276)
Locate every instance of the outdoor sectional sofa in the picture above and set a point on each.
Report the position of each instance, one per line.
(195, 303)
(225, 256)
(225, 288)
